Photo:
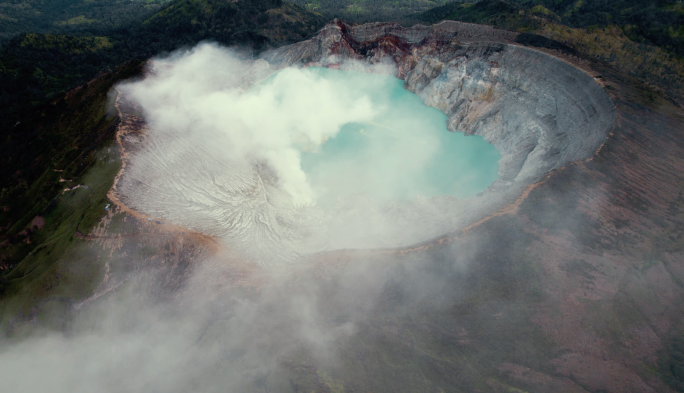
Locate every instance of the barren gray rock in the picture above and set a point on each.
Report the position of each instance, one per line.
(540, 112)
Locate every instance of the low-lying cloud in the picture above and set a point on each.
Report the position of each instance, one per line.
(205, 95)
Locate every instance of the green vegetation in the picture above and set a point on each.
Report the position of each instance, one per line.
(51, 152)
(502, 14)
(610, 45)
(60, 266)
(81, 19)
(48, 136)
(259, 23)
(362, 11)
(642, 39)
(71, 16)
(492, 12)
(540, 9)
(64, 43)
(60, 191)
(52, 141)
(653, 22)
(38, 67)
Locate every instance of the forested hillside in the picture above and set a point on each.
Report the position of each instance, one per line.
(364, 11)
(36, 69)
(643, 39)
(70, 16)
(654, 22)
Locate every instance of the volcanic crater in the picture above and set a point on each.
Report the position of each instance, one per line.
(540, 111)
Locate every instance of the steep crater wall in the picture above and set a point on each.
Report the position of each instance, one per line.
(539, 111)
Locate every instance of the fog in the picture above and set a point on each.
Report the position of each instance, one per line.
(534, 285)
(222, 155)
(199, 96)
(210, 337)
(216, 151)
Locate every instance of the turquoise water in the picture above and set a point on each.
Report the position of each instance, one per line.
(404, 152)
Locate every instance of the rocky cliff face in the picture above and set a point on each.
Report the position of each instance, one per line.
(539, 111)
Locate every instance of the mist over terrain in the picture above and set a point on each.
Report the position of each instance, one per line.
(223, 156)
(172, 225)
(210, 337)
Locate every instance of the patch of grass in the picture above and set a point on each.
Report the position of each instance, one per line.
(545, 12)
(61, 269)
(62, 143)
(621, 41)
(7, 18)
(65, 43)
(79, 20)
(609, 44)
(356, 9)
(497, 13)
(334, 385)
(180, 11)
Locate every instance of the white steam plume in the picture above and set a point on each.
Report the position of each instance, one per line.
(202, 93)
(222, 156)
